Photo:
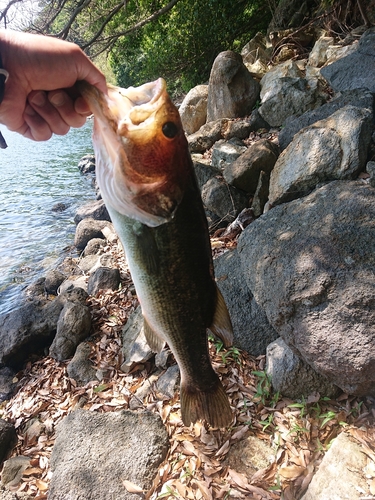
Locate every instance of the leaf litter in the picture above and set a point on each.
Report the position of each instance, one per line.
(198, 464)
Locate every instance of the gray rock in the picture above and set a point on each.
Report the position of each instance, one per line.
(80, 367)
(8, 439)
(193, 109)
(27, 330)
(103, 278)
(245, 171)
(288, 97)
(239, 129)
(224, 152)
(79, 282)
(257, 122)
(203, 173)
(74, 294)
(357, 70)
(94, 453)
(8, 383)
(166, 384)
(206, 136)
(223, 200)
(261, 194)
(88, 262)
(309, 264)
(361, 98)
(135, 348)
(249, 455)
(370, 169)
(251, 329)
(318, 55)
(53, 280)
(73, 326)
(9, 495)
(340, 475)
(287, 69)
(232, 91)
(92, 210)
(94, 246)
(87, 164)
(13, 470)
(334, 148)
(86, 230)
(291, 376)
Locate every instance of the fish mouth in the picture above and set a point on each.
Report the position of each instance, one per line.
(135, 162)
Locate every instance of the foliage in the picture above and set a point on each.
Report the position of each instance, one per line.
(182, 45)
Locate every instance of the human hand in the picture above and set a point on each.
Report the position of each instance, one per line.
(40, 96)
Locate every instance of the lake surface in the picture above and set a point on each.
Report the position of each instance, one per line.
(35, 176)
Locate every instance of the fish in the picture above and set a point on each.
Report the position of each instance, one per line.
(148, 184)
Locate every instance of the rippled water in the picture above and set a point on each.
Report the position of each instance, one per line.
(34, 176)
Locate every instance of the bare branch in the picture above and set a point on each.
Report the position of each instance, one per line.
(103, 25)
(4, 13)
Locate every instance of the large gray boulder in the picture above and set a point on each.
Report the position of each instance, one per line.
(96, 454)
(86, 230)
(251, 329)
(334, 148)
(361, 98)
(287, 97)
(309, 264)
(206, 136)
(357, 70)
(193, 110)
(232, 91)
(92, 209)
(223, 200)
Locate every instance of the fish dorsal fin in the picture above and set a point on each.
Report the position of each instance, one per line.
(154, 341)
(147, 248)
(221, 323)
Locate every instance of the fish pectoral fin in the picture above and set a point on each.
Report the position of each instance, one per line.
(212, 406)
(147, 248)
(221, 323)
(154, 341)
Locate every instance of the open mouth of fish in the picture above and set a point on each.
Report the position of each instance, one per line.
(137, 140)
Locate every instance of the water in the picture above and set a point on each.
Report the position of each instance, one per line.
(34, 176)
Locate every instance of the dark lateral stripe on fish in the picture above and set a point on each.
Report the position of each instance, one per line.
(211, 406)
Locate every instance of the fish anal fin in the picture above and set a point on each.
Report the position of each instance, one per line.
(212, 406)
(221, 323)
(154, 341)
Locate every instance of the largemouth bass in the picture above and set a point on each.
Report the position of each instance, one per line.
(147, 181)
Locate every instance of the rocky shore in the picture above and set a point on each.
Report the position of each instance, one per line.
(288, 188)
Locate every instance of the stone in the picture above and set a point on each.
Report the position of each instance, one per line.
(360, 98)
(318, 54)
(9, 495)
(236, 129)
(244, 172)
(87, 164)
(28, 330)
(309, 264)
(257, 122)
(255, 49)
(334, 148)
(135, 348)
(13, 470)
(103, 278)
(8, 383)
(288, 97)
(223, 200)
(73, 326)
(88, 263)
(94, 210)
(249, 455)
(86, 230)
(225, 152)
(94, 246)
(193, 109)
(292, 377)
(340, 475)
(356, 70)
(94, 453)
(232, 91)
(261, 194)
(370, 169)
(166, 384)
(80, 368)
(8, 439)
(53, 280)
(287, 69)
(203, 173)
(206, 136)
(251, 329)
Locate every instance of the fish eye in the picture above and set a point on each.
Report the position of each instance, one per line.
(170, 130)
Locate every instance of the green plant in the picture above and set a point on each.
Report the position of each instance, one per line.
(168, 493)
(263, 386)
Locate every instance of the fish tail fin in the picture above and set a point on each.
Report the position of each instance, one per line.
(212, 406)
(221, 323)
